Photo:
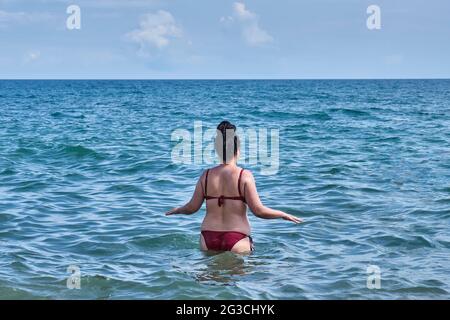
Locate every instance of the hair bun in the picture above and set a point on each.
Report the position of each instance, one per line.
(227, 143)
(226, 125)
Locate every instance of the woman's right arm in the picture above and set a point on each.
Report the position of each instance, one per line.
(256, 206)
(194, 204)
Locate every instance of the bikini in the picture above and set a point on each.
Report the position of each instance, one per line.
(224, 240)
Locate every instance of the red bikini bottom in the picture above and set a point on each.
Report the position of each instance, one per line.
(223, 240)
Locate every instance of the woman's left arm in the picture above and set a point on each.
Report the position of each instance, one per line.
(194, 204)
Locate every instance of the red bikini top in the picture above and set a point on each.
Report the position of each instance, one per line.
(220, 199)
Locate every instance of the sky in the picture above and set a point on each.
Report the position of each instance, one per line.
(221, 39)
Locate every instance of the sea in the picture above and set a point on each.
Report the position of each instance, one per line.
(88, 168)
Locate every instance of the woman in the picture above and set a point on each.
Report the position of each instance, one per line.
(228, 189)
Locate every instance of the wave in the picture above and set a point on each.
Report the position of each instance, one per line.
(29, 186)
(169, 241)
(7, 172)
(409, 243)
(79, 151)
(322, 116)
(125, 188)
(351, 112)
(422, 290)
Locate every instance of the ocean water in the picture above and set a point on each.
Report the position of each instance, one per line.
(86, 175)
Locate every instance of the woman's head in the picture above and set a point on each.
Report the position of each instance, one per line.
(227, 142)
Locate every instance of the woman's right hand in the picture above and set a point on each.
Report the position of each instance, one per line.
(172, 211)
(290, 217)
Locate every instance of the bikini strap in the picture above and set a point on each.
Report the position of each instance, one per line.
(239, 183)
(206, 183)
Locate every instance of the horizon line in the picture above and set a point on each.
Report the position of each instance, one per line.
(210, 79)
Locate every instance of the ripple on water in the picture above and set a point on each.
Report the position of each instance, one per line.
(168, 241)
(125, 188)
(79, 152)
(406, 243)
(29, 186)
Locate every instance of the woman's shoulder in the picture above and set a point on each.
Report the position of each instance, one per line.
(246, 174)
(208, 170)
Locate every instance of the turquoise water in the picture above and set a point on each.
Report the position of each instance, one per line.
(86, 176)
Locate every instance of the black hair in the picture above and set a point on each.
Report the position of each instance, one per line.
(223, 128)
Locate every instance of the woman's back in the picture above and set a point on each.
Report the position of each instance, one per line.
(224, 189)
(227, 190)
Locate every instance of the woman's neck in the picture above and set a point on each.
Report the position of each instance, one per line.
(231, 163)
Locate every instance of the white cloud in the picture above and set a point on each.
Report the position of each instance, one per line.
(226, 19)
(120, 3)
(7, 18)
(32, 56)
(251, 31)
(11, 16)
(242, 12)
(255, 35)
(90, 3)
(155, 30)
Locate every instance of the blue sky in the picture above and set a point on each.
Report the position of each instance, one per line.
(156, 39)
